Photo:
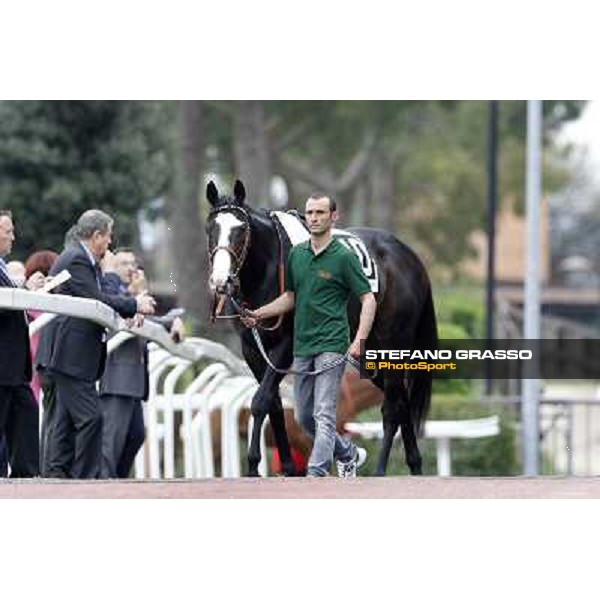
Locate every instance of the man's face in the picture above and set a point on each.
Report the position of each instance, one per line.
(100, 243)
(7, 235)
(319, 217)
(125, 265)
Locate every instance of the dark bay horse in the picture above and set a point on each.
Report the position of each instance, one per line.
(248, 253)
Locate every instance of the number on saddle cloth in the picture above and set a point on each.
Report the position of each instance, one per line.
(297, 233)
(369, 266)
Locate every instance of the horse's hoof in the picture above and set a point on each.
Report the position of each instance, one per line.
(288, 470)
(253, 471)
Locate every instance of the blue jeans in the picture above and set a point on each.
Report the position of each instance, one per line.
(316, 410)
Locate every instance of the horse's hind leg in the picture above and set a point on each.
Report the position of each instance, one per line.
(391, 421)
(409, 438)
(396, 412)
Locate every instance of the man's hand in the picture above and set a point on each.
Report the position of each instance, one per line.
(177, 330)
(146, 304)
(354, 350)
(138, 282)
(35, 282)
(251, 319)
(136, 321)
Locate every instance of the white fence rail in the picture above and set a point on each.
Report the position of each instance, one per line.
(225, 383)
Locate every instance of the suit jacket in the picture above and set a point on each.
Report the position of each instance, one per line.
(76, 346)
(15, 354)
(126, 372)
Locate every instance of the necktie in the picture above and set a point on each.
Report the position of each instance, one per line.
(98, 272)
(4, 277)
(8, 282)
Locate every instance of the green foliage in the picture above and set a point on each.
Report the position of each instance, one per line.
(481, 457)
(460, 315)
(442, 178)
(58, 159)
(462, 306)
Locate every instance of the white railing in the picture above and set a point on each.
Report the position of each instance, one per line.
(92, 310)
(225, 383)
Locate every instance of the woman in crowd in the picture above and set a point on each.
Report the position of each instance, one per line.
(38, 262)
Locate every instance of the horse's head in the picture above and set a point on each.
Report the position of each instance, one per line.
(228, 234)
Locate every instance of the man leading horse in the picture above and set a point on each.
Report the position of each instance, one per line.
(321, 275)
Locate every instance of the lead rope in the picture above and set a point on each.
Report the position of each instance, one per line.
(326, 367)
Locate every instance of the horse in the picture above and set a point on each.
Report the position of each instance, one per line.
(247, 253)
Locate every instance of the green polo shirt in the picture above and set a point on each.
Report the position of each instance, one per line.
(322, 285)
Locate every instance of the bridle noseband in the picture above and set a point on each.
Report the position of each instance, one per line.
(238, 258)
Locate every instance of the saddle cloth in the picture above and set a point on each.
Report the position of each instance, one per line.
(297, 233)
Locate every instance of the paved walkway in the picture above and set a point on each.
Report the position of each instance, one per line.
(282, 488)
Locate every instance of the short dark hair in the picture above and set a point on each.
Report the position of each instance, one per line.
(6, 213)
(319, 195)
(130, 250)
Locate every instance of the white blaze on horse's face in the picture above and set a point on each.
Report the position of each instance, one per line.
(221, 265)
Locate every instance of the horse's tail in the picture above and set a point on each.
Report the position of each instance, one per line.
(426, 337)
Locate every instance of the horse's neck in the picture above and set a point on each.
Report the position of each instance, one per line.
(259, 276)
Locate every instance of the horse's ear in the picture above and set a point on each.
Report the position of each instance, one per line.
(239, 191)
(212, 194)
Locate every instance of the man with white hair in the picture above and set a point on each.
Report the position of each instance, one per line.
(77, 353)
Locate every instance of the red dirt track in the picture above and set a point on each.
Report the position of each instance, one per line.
(329, 488)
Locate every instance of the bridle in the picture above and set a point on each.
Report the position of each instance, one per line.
(232, 285)
(238, 257)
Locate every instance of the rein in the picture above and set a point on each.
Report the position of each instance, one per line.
(242, 312)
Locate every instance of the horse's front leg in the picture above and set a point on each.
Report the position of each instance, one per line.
(268, 402)
(259, 410)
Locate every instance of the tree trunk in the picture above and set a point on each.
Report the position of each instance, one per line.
(382, 195)
(356, 207)
(251, 151)
(187, 237)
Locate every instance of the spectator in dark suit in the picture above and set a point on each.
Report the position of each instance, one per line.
(124, 385)
(77, 352)
(48, 387)
(19, 419)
